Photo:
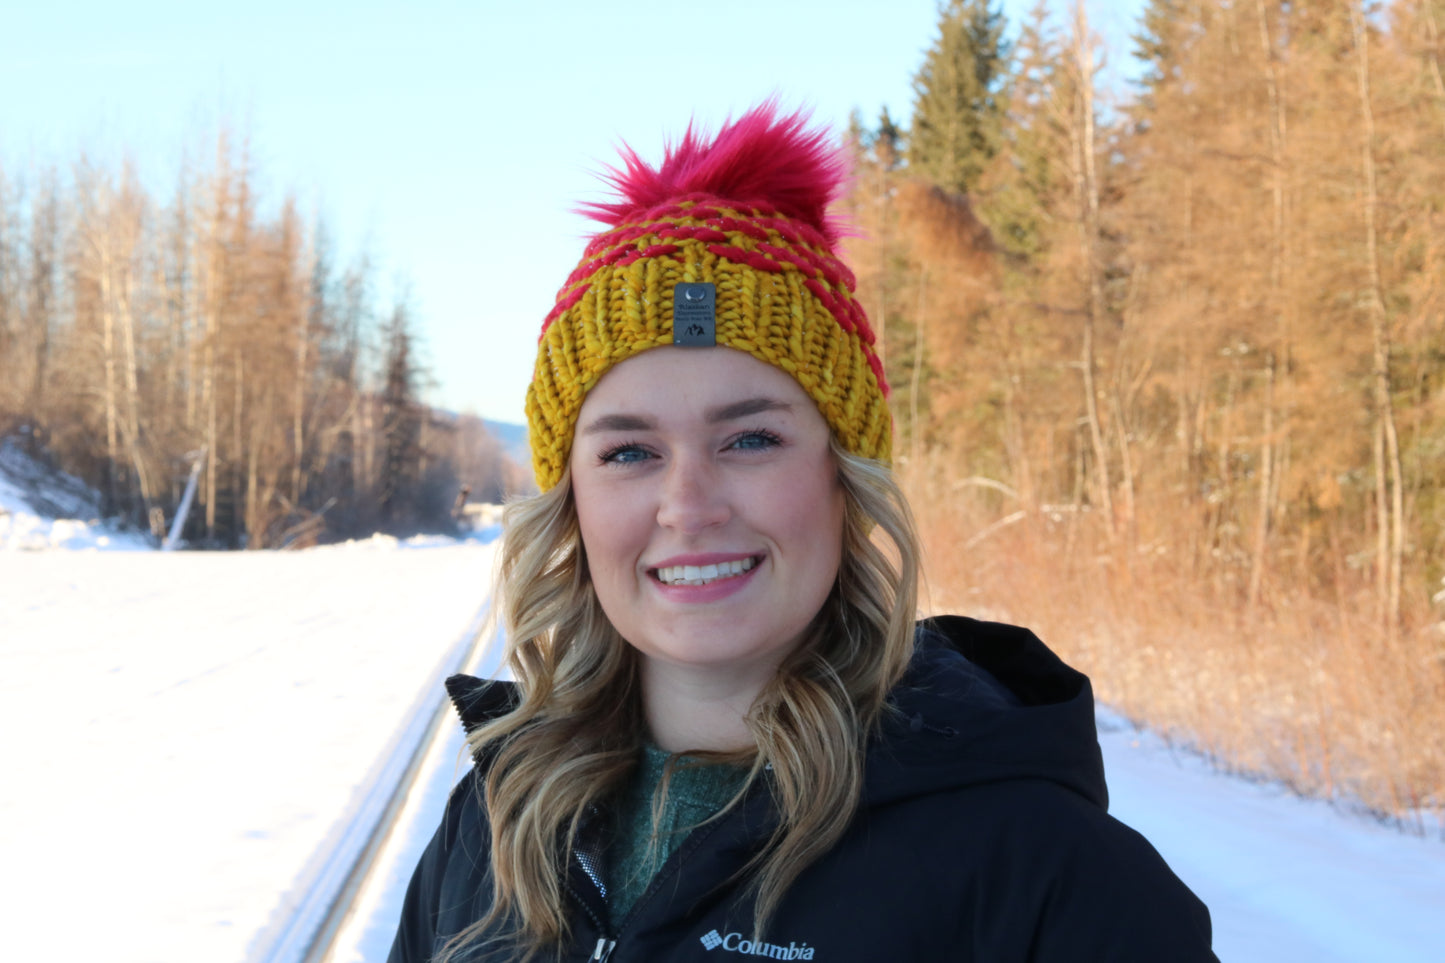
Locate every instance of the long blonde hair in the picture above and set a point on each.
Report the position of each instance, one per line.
(574, 736)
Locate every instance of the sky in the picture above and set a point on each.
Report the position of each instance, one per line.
(448, 141)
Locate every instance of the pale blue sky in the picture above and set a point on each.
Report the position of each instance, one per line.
(449, 139)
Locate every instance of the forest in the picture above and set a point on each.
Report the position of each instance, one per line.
(144, 339)
(1167, 366)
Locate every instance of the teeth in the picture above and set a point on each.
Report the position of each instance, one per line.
(702, 574)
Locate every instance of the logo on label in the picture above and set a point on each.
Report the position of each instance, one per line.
(694, 315)
(736, 943)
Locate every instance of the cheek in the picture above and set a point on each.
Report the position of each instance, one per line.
(609, 533)
(814, 516)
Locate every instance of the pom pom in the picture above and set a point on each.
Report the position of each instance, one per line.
(760, 158)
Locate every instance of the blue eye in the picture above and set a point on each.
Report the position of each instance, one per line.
(625, 454)
(756, 441)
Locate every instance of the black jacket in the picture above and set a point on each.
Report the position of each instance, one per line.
(983, 836)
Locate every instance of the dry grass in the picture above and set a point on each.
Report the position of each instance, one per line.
(1300, 690)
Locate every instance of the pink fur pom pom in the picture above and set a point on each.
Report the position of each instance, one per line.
(760, 158)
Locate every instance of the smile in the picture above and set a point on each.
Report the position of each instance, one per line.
(703, 574)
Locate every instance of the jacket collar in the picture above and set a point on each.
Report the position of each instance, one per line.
(981, 702)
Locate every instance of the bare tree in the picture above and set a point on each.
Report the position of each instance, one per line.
(1390, 512)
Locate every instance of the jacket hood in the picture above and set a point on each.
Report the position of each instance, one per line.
(984, 702)
(981, 702)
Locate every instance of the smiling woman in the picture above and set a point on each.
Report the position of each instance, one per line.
(727, 732)
(713, 529)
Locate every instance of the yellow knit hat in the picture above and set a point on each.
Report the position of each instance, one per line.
(735, 235)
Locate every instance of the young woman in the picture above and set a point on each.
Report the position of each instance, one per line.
(727, 736)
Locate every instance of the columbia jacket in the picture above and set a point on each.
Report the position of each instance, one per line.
(983, 836)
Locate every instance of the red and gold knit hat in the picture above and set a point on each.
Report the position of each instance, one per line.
(733, 240)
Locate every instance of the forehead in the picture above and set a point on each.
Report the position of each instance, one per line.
(673, 380)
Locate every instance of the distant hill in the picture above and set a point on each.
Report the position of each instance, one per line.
(513, 439)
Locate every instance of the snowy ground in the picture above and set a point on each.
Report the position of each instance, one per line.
(1285, 879)
(184, 732)
(42, 509)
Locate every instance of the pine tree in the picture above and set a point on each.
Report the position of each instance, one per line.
(402, 417)
(1020, 189)
(1157, 44)
(888, 141)
(957, 116)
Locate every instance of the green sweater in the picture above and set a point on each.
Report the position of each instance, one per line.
(694, 794)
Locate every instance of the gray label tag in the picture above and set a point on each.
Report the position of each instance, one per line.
(694, 315)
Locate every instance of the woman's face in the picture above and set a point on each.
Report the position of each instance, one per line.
(710, 507)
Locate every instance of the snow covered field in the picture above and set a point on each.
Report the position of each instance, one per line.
(183, 732)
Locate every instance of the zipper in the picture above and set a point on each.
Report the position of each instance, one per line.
(602, 952)
(605, 944)
(590, 878)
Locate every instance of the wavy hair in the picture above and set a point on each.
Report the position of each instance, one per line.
(573, 738)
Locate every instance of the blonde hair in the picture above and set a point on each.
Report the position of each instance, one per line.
(573, 738)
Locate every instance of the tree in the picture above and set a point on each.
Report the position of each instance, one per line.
(11, 309)
(137, 334)
(1019, 190)
(401, 420)
(957, 117)
(40, 304)
(1083, 170)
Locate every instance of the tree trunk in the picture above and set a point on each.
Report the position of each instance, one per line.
(107, 321)
(255, 524)
(132, 380)
(1126, 470)
(1432, 53)
(1266, 488)
(1276, 296)
(1086, 196)
(915, 378)
(238, 445)
(298, 408)
(43, 232)
(208, 383)
(1391, 545)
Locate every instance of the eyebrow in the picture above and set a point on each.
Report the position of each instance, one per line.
(728, 412)
(618, 423)
(744, 408)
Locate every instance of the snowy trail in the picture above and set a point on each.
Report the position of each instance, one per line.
(183, 730)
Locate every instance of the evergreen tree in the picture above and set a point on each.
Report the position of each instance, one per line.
(1020, 190)
(402, 416)
(888, 141)
(1157, 42)
(957, 117)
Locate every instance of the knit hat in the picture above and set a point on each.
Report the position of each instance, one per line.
(732, 239)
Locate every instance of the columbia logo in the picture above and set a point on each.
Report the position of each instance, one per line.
(735, 943)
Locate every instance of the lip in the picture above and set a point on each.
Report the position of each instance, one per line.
(712, 591)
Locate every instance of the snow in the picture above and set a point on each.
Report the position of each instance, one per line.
(185, 730)
(67, 517)
(187, 734)
(368, 934)
(1285, 878)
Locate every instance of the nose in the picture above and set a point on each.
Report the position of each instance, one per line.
(692, 497)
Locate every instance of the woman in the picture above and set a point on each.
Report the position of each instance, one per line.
(727, 735)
